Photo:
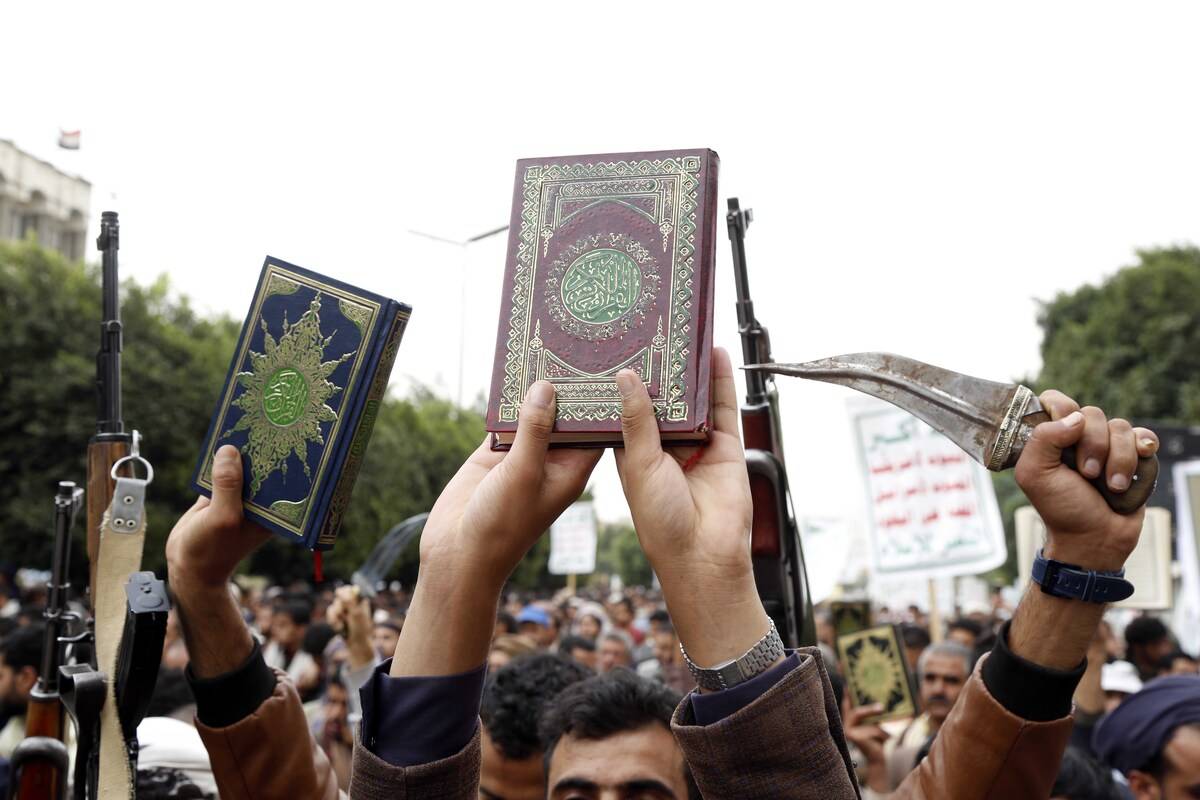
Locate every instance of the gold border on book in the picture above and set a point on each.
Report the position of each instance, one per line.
(275, 271)
(539, 219)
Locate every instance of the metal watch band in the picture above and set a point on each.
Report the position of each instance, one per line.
(753, 662)
(1073, 582)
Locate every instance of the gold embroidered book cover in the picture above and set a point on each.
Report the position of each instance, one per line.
(311, 367)
(876, 671)
(610, 266)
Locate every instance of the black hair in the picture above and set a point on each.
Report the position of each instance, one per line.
(515, 694)
(625, 601)
(318, 635)
(299, 611)
(1080, 777)
(23, 647)
(965, 624)
(914, 635)
(608, 704)
(569, 643)
(1145, 630)
(1168, 661)
(508, 621)
(661, 616)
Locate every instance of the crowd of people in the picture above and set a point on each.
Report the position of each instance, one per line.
(461, 688)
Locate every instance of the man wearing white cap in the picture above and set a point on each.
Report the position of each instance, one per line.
(1118, 680)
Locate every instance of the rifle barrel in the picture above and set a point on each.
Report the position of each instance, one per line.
(108, 360)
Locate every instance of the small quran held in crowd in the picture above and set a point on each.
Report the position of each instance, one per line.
(876, 671)
(610, 267)
(311, 367)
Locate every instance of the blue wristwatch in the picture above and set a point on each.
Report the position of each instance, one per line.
(1076, 583)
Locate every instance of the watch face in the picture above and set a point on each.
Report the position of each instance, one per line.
(876, 671)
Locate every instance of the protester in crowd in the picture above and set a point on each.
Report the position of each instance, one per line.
(539, 625)
(330, 727)
(916, 639)
(591, 621)
(505, 623)
(580, 649)
(1118, 680)
(1004, 738)
(385, 634)
(508, 647)
(20, 665)
(610, 736)
(512, 765)
(1153, 739)
(1147, 641)
(289, 623)
(964, 631)
(615, 650)
(620, 613)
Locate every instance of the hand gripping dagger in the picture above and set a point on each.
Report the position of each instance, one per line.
(990, 421)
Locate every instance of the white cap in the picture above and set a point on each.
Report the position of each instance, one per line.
(1120, 676)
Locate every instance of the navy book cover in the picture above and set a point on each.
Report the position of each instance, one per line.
(310, 370)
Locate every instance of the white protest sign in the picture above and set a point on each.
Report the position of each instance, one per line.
(1187, 546)
(931, 509)
(573, 541)
(1148, 567)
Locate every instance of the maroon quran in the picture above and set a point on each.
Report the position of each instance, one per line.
(610, 267)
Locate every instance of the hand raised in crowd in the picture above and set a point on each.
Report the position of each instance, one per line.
(350, 615)
(692, 511)
(869, 738)
(204, 548)
(1080, 527)
(486, 519)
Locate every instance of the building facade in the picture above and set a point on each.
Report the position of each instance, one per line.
(38, 199)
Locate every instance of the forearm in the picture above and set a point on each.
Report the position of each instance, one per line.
(449, 625)
(1051, 631)
(217, 638)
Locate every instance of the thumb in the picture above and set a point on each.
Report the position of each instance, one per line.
(1044, 449)
(535, 423)
(639, 428)
(226, 506)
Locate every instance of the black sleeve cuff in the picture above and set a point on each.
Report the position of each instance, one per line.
(229, 698)
(1029, 691)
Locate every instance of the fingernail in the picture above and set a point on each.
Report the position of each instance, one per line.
(227, 453)
(627, 381)
(1149, 443)
(1119, 482)
(541, 394)
(1072, 419)
(1091, 468)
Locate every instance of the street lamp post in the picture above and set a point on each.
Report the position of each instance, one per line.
(462, 244)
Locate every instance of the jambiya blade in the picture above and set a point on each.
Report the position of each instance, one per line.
(990, 421)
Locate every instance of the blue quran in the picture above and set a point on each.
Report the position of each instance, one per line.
(302, 394)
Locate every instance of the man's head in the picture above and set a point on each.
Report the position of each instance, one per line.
(660, 620)
(386, 634)
(1118, 681)
(20, 661)
(611, 733)
(513, 700)
(590, 625)
(615, 650)
(1153, 738)
(916, 639)
(622, 612)
(538, 624)
(1147, 640)
(579, 649)
(666, 646)
(289, 624)
(964, 631)
(942, 670)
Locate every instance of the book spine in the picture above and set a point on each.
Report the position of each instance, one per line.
(339, 499)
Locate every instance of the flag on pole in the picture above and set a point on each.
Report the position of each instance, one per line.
(68, 140)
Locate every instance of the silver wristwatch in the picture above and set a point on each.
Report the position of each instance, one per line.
(729, 674)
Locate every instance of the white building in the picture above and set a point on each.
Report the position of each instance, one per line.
(38, 199)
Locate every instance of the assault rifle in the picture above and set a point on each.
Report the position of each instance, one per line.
(775, 539)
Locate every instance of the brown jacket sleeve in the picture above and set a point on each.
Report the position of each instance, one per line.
(264, 757)
(788, 743)
(984, 751)
(453, 778)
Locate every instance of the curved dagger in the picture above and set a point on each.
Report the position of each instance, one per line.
(990, 421)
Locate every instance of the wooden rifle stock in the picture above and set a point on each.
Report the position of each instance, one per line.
(39, 780)
(102, 454)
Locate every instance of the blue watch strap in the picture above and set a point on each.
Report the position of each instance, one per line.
(1076, 583)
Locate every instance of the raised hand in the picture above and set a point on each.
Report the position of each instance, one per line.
(692, 511)
(485, 520)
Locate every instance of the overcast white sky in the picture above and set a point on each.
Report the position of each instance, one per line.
(920, 172)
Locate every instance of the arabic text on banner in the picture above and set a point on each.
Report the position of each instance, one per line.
(573, 541)
(931, 509)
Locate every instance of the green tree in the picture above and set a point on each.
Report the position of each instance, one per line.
(620, 553)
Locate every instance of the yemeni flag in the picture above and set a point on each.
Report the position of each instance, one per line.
(68, 140)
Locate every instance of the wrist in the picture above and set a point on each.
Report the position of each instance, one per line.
(449, 626)
(1087, 553)
(716, 622)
